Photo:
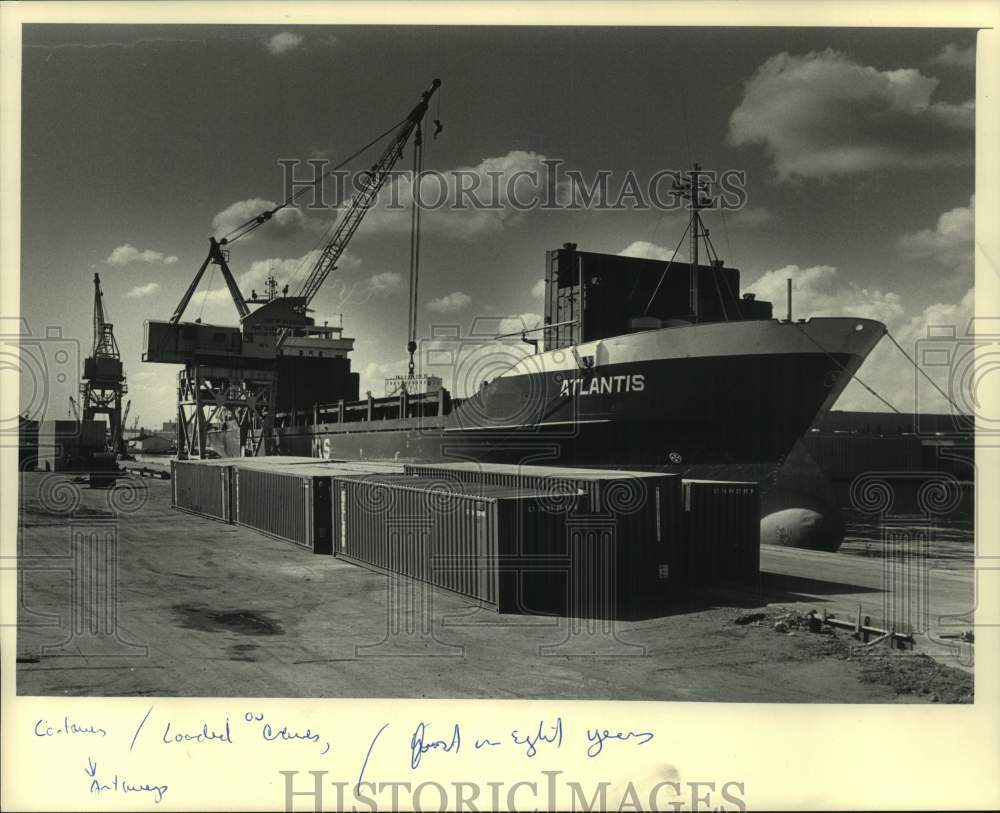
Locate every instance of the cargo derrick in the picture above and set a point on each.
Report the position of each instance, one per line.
(103, 383)
(278, 358)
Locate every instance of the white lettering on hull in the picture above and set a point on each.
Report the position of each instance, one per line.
(603, 385)
(321, 447)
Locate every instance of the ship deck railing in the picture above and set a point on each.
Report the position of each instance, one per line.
(370, 409)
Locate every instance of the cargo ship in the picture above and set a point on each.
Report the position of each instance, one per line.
(638, 363)
(615, 383)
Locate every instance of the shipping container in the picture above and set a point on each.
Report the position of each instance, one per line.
(722, 532)
(504, 547)
(288, 498)
(265, 461)
(202, 487)
(646, 506)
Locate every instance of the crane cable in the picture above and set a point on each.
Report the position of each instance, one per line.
(418, 167)
(256, 222)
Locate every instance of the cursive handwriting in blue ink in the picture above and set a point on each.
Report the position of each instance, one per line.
(283, 734)
(484, 742)
(597, 737)
(553, 734)
(141, 724)
(205, 735)
(364, 765)
(419, 746)
(120, 784)
(43, 729)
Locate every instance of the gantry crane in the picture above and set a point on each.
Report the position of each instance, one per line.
(234, 373)
(103, 383)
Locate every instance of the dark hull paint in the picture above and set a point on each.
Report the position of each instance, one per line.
(709, 416)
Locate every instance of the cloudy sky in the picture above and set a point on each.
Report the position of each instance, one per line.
(140, 142)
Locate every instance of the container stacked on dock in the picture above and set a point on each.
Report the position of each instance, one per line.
(288, 501)
(202, 487)
(721, 532)
(584, 542)
(626, 523)
(272, 494)
(472, 539)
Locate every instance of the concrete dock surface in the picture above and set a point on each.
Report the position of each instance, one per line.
(170, 604)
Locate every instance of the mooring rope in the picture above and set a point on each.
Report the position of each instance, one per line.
(844, 369)
(923, 373)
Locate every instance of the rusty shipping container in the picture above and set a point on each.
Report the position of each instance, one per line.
(507, 548)
(722, 532)
(645, 506)
(202, 487)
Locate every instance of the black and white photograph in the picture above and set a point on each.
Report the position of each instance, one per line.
(492, 362)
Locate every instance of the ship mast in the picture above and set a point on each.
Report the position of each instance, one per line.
(694, 188)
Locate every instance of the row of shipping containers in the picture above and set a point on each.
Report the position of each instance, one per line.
(689, 532)
(284, 497)
(584, 542)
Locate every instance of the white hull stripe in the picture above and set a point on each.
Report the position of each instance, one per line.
(833, 335)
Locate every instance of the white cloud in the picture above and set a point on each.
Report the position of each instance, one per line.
(385, 282)
(520, 321)
(895, 379)
(650, 251)
(449, 303)
(949, 243)
(372, 376)
(283, 42)
(286, 223)
(821, 291)
(505, 183)
(127, 254)
(290, 271)
(340, 288)
(957, 56)
(752, 216)
(143, 290)
(824, 114)
(538, 289)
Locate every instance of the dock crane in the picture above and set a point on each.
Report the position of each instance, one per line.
(103, 383)
(241, 374)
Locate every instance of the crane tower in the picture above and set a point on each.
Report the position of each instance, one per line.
(278, 358)
(103, 383)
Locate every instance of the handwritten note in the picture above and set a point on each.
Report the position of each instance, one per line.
(419, 747)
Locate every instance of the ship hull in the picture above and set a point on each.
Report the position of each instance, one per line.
(704, 399)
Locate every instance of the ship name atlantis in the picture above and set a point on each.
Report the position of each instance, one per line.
(603, 385)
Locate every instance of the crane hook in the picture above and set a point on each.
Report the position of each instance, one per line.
(412, 348)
